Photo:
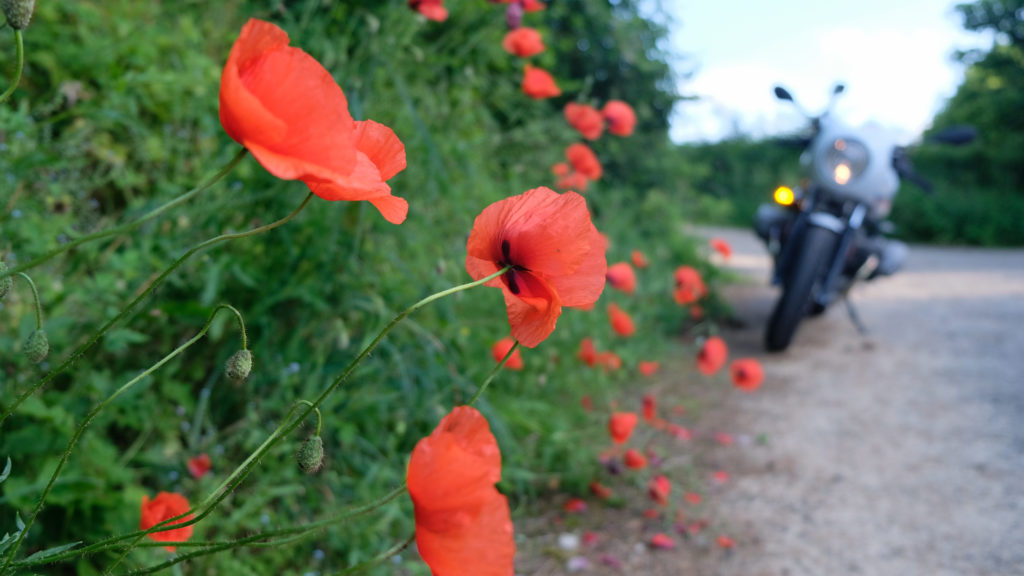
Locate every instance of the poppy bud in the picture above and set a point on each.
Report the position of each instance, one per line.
(238, 366)
(5, 282)
(36, 347)
(311, 455)
(18, 12)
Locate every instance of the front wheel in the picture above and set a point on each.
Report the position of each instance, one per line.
(796, 301)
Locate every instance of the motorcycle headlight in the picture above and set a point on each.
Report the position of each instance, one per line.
(845, 160)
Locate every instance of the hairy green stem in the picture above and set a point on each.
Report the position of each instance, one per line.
(128, 226)
(149, 289)
(20, 55)
(380, 557)
(319, 417)
(92, 415)
(35, 295)
(493, 374)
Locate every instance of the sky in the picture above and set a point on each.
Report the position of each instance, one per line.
(894, 56)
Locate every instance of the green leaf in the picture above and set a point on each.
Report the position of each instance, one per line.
(53, 551)
(6, 472)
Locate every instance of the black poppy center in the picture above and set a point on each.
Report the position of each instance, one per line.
(506, 260)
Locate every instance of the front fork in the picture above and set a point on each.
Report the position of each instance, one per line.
(847, 231)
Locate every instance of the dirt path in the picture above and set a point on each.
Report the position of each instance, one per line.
(896, 453)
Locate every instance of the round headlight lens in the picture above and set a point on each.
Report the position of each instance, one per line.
(845, 160)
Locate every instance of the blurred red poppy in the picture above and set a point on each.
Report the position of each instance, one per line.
(621, 425)
(587, 353)
(746, 374)
(501, 348)
(712, 355)
(661, 540)
(199, 465)
(609, 360)
(587, 404)
(539, 84)
(720, 477)
(288, 111)
(573, 181)
(622, 277)
(721, 246)
(584, 119)
(600, 490)
(635, 460)
(696, 312)
(689, 285)
(575, 506)
(679, 432)
(620, 117)
(692, 498)
(724, 541)
(555, 253)
(584, 160)
(523, 42)
(648, 368)
(533, 5)
(621, 322)
(659, 489)
(639, 260)
(165, 506)
(560, 169)
(462, 521)
(430, 9)
(649, 407)
(724, 439)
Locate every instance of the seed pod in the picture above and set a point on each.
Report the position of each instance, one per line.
(18, 12)
(238, 366)
(36, 347)
(311, 455)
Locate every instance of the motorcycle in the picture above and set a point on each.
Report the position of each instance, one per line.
(831, 232)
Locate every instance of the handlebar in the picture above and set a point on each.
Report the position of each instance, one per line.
(901, 163)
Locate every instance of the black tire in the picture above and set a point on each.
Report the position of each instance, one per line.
(809, 269)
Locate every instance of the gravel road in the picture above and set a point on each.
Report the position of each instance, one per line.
(898, 452)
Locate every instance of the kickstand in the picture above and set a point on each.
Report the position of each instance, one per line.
(854, 317)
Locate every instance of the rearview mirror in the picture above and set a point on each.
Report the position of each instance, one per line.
(959, 134)
(782, 94)
(838, 89)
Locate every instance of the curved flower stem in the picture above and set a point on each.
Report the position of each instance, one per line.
(92, 415)
(380, 557)
(128, 226)
(149, 289)
(35, 294)
(20, 48)
(319, 417)
(493, 374)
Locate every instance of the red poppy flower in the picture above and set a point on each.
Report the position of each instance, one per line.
(725, 542)
(689, 285)
(622, 277)
(621, 322)
(724, 439)
(523, 42)
(584, 160)
(652, 513)
(539, 84)
(533, 5)
(692, 498)
(620, 426)
(587, 353)
(746, 374)
(501, 348)
(554, 250)
(575, 506)
(639, 260)
(634, 459)
(712, 355)
(590, 538)
(609, 360)
(462, 521)
(649, 407)
(648, 368)
(573, 181)
(620, 117)
(560, 169)
(721, 246)
(283, 106)
(166, 505)
(679, 432)
(661, 540)
(600, 490)
(198, 466)
(659, 489)
(584, 119)
(720, 477)
(430, 9)
(587, 404)
(696, 312)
